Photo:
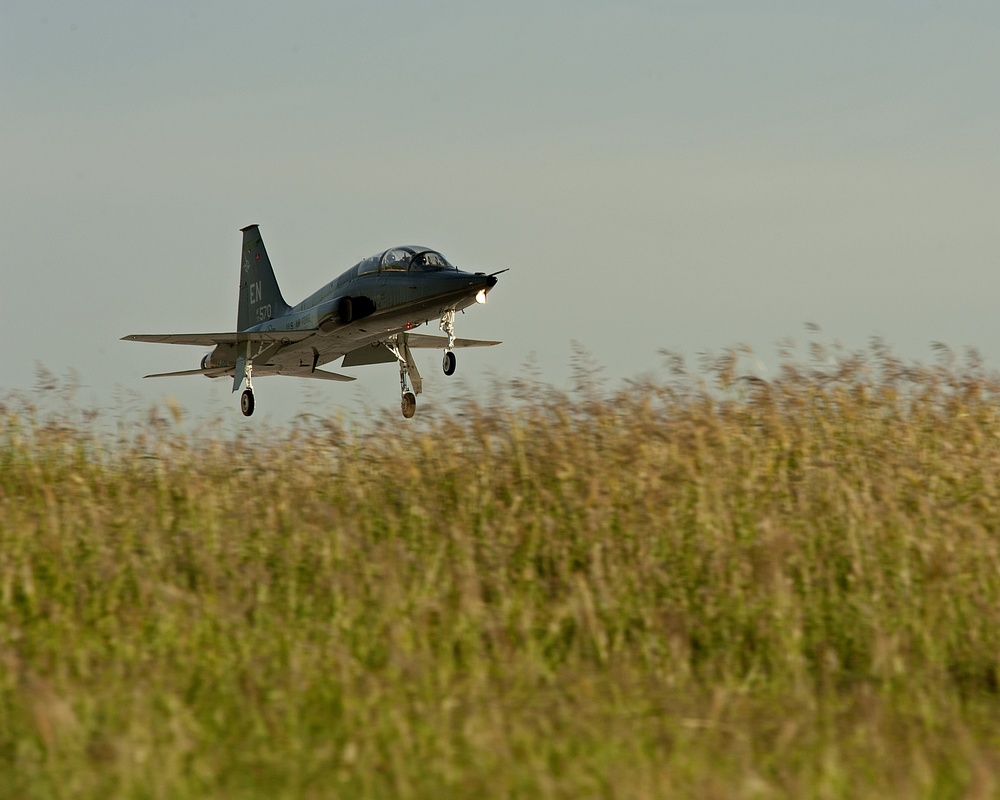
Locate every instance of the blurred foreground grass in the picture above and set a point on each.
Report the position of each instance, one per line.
(747, 589)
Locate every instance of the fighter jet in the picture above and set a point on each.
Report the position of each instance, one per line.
(366, 316)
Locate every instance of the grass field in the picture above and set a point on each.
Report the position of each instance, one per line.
(696, 585)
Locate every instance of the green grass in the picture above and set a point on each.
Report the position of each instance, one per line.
(749, 590)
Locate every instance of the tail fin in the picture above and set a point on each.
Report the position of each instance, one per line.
(260, 297)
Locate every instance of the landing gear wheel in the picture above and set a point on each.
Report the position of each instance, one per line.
(246, 403)
(449, 363)
(409, 404)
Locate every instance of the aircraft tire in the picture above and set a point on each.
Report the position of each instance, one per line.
(409, 405)
(246, 403)
(450, 363)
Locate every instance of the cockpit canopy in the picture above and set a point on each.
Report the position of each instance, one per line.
(413, 259)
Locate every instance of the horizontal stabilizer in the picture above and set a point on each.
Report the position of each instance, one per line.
(210, 339)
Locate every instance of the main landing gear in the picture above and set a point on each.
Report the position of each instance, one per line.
(410, 382)
(408, 404)
(246, 399)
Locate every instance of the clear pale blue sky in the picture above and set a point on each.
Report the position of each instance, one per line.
(681, 175)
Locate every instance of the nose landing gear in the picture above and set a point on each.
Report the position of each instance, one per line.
(447, 325)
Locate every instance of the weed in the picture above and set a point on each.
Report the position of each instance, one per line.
(746, 588)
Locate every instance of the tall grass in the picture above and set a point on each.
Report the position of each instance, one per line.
(698, 585)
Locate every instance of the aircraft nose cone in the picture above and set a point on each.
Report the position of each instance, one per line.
(477, 280)
(469, 284)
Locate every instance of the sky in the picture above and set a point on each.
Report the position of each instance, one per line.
(686, 176)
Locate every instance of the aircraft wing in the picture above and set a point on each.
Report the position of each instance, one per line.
(378, 353)
(321, 374)
(212, 373)
(218, 373)
(210, 339)
(441, 342)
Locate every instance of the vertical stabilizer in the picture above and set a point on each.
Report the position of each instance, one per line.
(260, 297)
